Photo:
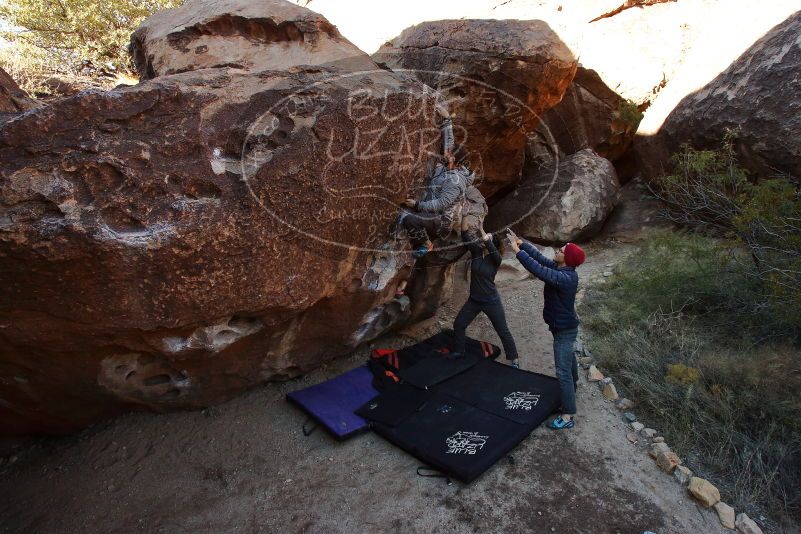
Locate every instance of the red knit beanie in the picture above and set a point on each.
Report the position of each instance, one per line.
(574, 255)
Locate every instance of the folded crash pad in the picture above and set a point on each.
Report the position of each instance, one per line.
(468, 422)
(427, 362)
(396, 403)
(455, 437)
(521, 396)
(332, 403)
(431, 371)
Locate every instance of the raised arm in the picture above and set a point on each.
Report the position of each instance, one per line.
(446, 130)
(546, 274)
(494, 255)
(472, 244)
(537, 255)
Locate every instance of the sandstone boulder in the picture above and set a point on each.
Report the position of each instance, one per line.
(253, 35)
(591, 115)
(759, 95)
(12, 98)
(168, 245)
(497, 77)
(566, 203)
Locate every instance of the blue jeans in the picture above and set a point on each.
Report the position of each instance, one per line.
(566, 367)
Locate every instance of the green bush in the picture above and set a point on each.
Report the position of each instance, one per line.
(683, 327)
(709, 191)
(64, 36)
(629, 113)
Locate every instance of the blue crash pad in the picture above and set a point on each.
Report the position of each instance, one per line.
(332, 403)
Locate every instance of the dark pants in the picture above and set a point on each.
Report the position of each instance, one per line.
(496, 316)
(566, 367)
(421, 227)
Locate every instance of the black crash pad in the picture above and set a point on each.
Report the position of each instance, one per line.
(515, 394)
(466, 423)
(455, 437)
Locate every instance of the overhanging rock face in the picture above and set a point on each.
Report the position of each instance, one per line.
(498, 77)
(170, 244)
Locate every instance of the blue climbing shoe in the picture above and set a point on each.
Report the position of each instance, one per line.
(561, 424)
(515, 364)
(421, 251)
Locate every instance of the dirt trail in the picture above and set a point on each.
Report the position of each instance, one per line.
(245, 466)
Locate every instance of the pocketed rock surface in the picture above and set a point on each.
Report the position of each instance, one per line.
(170, 244)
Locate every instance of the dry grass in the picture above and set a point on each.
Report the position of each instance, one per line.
(679, 332)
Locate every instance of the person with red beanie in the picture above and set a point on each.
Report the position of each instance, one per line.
(559, 312)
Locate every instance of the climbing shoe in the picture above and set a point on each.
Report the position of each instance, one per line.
(515, 364)
(422, 250)
(561, 424)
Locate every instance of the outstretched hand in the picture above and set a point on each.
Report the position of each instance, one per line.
(487, 237)
(514, 241)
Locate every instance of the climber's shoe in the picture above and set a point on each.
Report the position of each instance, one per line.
(422, 250)
(515, 364)
(561, 424)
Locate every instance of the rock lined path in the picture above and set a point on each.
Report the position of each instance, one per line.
(245, 466)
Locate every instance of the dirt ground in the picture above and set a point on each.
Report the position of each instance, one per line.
(245, 466)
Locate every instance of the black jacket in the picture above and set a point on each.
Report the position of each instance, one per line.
(482, 269)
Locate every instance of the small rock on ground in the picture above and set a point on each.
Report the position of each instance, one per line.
(725, 514)
(648, 432)
(667, 461)
(610, 392)
(637, 426)
(703, 490)
(682, 474)
(594, 375)
(746, 525)
(629, 417)
(658, 448)
(624, 404)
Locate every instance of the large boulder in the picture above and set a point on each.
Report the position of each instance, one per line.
(12, 98)
(498, 78)
(565, 202)
(254, 35)
(591, 115)
(170, 244)
(759, 95)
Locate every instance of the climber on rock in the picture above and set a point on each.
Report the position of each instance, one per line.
(434, 216)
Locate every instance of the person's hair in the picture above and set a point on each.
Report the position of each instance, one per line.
(498, 242)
